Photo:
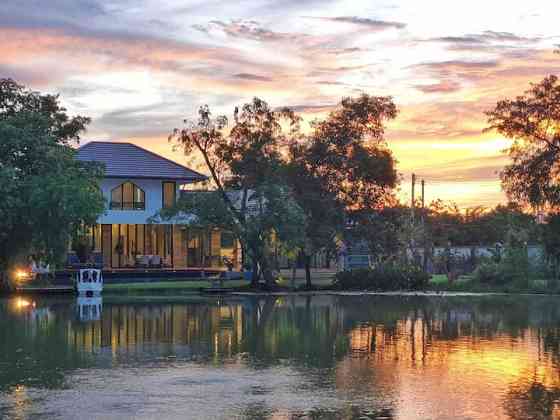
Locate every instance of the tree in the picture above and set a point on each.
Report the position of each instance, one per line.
(250, 198)
(551, 242)
(46, 193)
(532, 121)
(342, 168)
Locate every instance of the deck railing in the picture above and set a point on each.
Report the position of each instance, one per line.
(127, 205)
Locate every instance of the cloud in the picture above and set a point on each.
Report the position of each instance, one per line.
(312, 108)
(154, 119)
(247, 29)
(457, 70)
(254, 77)
(341, 51)
(92, 53)
(487, 41)
(29, 14)
(371, 24)
(458, 64)
(445, 86)
(471, 169)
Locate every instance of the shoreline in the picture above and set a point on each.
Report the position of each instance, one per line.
(161, 293)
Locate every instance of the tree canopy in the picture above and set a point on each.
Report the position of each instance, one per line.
(344, 167)
(301, 186)
(250, 198)
(46, 193)
(532, 121)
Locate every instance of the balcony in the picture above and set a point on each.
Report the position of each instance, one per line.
(127, 205)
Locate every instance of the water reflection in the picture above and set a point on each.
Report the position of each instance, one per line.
(290, 357)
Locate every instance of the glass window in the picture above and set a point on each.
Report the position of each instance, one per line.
(127, 196)
(227, 240)
(168, 194)
(116, 198)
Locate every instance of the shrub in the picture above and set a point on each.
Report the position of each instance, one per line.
(513, 269)
(488, 273)
(385, 277)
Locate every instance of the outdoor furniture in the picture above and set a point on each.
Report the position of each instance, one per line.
(97, 259)
(72, 260)
(166, 262)
(142, 260)
(155, 261)
(40, 271)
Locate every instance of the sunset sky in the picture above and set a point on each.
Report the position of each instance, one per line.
(138, 67)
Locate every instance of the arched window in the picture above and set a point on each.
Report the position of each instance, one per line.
(128, 196)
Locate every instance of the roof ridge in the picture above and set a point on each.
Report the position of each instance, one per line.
(164, 158)
(154, 155)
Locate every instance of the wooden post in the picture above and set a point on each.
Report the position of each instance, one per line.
(413, 204)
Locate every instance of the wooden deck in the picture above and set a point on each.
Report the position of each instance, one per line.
(45, 290)
(146, 273)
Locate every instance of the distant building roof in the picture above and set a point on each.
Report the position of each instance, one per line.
(126, 160)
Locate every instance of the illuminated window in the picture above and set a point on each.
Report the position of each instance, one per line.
(128, 196)
(227, 240)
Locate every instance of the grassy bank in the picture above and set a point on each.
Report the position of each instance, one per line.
(322, 280)
(172, 286)
(439, 282)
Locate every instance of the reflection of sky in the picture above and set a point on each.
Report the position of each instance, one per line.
(344, 357)
(139, 68)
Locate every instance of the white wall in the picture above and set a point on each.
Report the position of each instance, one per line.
(153, 196)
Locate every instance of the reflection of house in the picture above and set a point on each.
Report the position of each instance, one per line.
(137, 184)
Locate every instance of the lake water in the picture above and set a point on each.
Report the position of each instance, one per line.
(332, 357)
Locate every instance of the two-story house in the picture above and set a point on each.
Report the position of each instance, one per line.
(137, 184)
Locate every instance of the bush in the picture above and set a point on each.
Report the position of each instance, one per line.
(384, 277)
(488, 273)
(513, 269)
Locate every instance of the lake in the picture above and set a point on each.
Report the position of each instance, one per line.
(306, 357)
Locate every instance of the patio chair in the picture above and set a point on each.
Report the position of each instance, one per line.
(98, 260)
(155, 261)
(142, 260)
(72, 260)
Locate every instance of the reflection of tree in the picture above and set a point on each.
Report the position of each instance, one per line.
(34, 350)
(294, 329)
(347, 413)
(532, 400)
(257, 411)
(350, 345)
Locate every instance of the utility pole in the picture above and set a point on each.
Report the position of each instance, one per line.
(423, 183)
(413, 204)
(425, 253)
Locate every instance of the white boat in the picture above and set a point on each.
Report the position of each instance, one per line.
(89, 282)
(89, 308)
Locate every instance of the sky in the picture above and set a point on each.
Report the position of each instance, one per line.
(138, 68)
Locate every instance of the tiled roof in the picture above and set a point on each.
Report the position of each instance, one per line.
(126, 160)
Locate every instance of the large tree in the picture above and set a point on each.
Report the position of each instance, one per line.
(245, 165)
(46, 193)
(532, 121)
(343, 168)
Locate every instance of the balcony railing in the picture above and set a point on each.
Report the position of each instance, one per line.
(127, 205)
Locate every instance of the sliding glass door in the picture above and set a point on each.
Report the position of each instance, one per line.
(128, 242)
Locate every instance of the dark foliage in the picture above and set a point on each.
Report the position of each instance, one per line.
(384, 277)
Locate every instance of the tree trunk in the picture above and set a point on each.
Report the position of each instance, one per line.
(255, 277)
(308, 284)
(267, 273)
(5, 284)
(294, 268)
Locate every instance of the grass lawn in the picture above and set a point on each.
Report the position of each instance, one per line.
(320, 278)
(438, 279)
(170, 285)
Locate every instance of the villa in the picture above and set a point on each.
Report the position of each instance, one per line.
(137, 184)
